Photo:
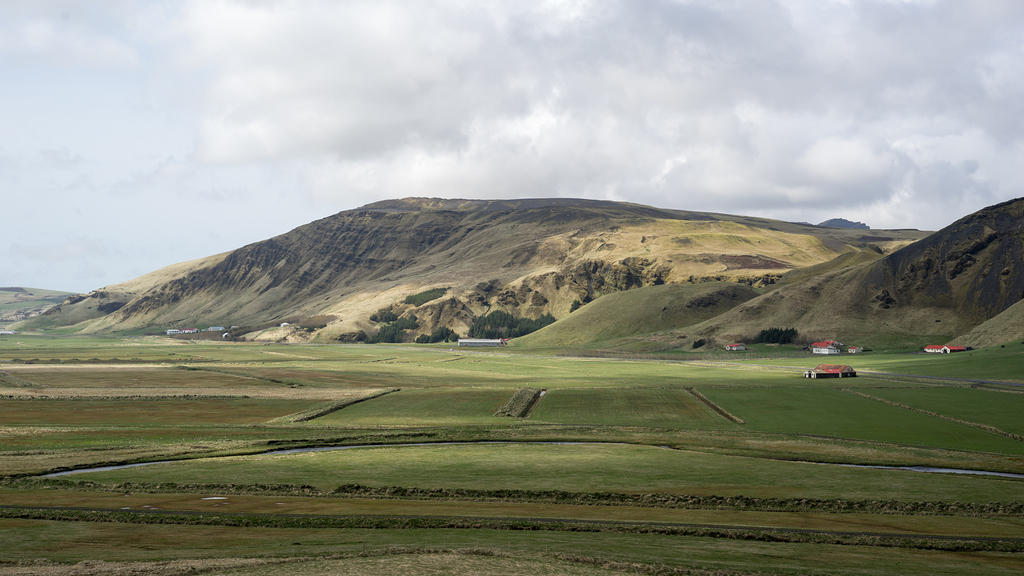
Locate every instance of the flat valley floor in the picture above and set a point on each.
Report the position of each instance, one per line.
(390, 459)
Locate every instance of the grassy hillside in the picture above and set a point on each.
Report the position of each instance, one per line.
(929, 291)
(527, 257)
(611, 320)
(18, 303)
(1008, 326)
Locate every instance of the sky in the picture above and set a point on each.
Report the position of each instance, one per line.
(134, 135)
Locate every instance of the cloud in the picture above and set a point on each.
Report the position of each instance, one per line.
(770, 104)
(62, 33)
(264, 114)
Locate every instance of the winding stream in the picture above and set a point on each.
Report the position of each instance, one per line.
(549, 443)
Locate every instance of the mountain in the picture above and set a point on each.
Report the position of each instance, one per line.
(843, 223)
(18, 303)
(528, 257)
(937, 288)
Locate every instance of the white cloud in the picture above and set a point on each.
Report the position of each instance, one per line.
(274, 112)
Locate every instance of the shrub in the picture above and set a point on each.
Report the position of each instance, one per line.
(383, 315)
(352, 337)
(441, 334)
(388, 333)
(425, 296)
(409, 322)
(777, 335)
(499, 324)
(575, 305)
(698, 343)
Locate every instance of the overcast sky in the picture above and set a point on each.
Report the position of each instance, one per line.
(139, 134)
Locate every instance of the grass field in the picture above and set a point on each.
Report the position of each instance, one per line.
(999, 409)
(662, 407)
(827, 411)
(646, 476)
(424, 407)
(575, 468)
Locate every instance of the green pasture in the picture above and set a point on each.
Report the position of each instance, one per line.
(572, 467)
(660, 407)
(31, 540)
(137, 399)
(996, 363)
(823, 410)
(424, 407)
(130, 412)
(199, 500)
(131, 380)
(1004, 410)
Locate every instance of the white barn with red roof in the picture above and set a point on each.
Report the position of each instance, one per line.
(943, 349)
(827, 347)
(831, 371)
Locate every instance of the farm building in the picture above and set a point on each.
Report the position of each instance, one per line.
(831, 371)
(937, 349)
(481, 342)
(735, 347)
(827, 347)
(173, 331)
(854, 350)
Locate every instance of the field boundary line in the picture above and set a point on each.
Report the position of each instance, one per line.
(312, 414)
(946, 379)
(714, 407)
(978, 425)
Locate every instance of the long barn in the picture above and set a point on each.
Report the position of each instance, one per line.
(481, 342)
(831, 371)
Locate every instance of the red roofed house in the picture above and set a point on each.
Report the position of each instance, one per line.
(827, 347)
(937, 349)
(831, 371)
(735, 347)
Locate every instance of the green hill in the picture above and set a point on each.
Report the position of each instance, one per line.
(1007, 326)
(932, 290)
(612, 321)
(526, 257)
(18, 303)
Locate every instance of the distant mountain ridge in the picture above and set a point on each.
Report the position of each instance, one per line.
(20, 303)
(844, 223)
(528, 257)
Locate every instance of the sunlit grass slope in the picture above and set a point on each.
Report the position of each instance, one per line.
(613, 317)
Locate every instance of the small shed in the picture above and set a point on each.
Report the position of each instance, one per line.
(735, 347)
(854, 350)
(831, 371)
